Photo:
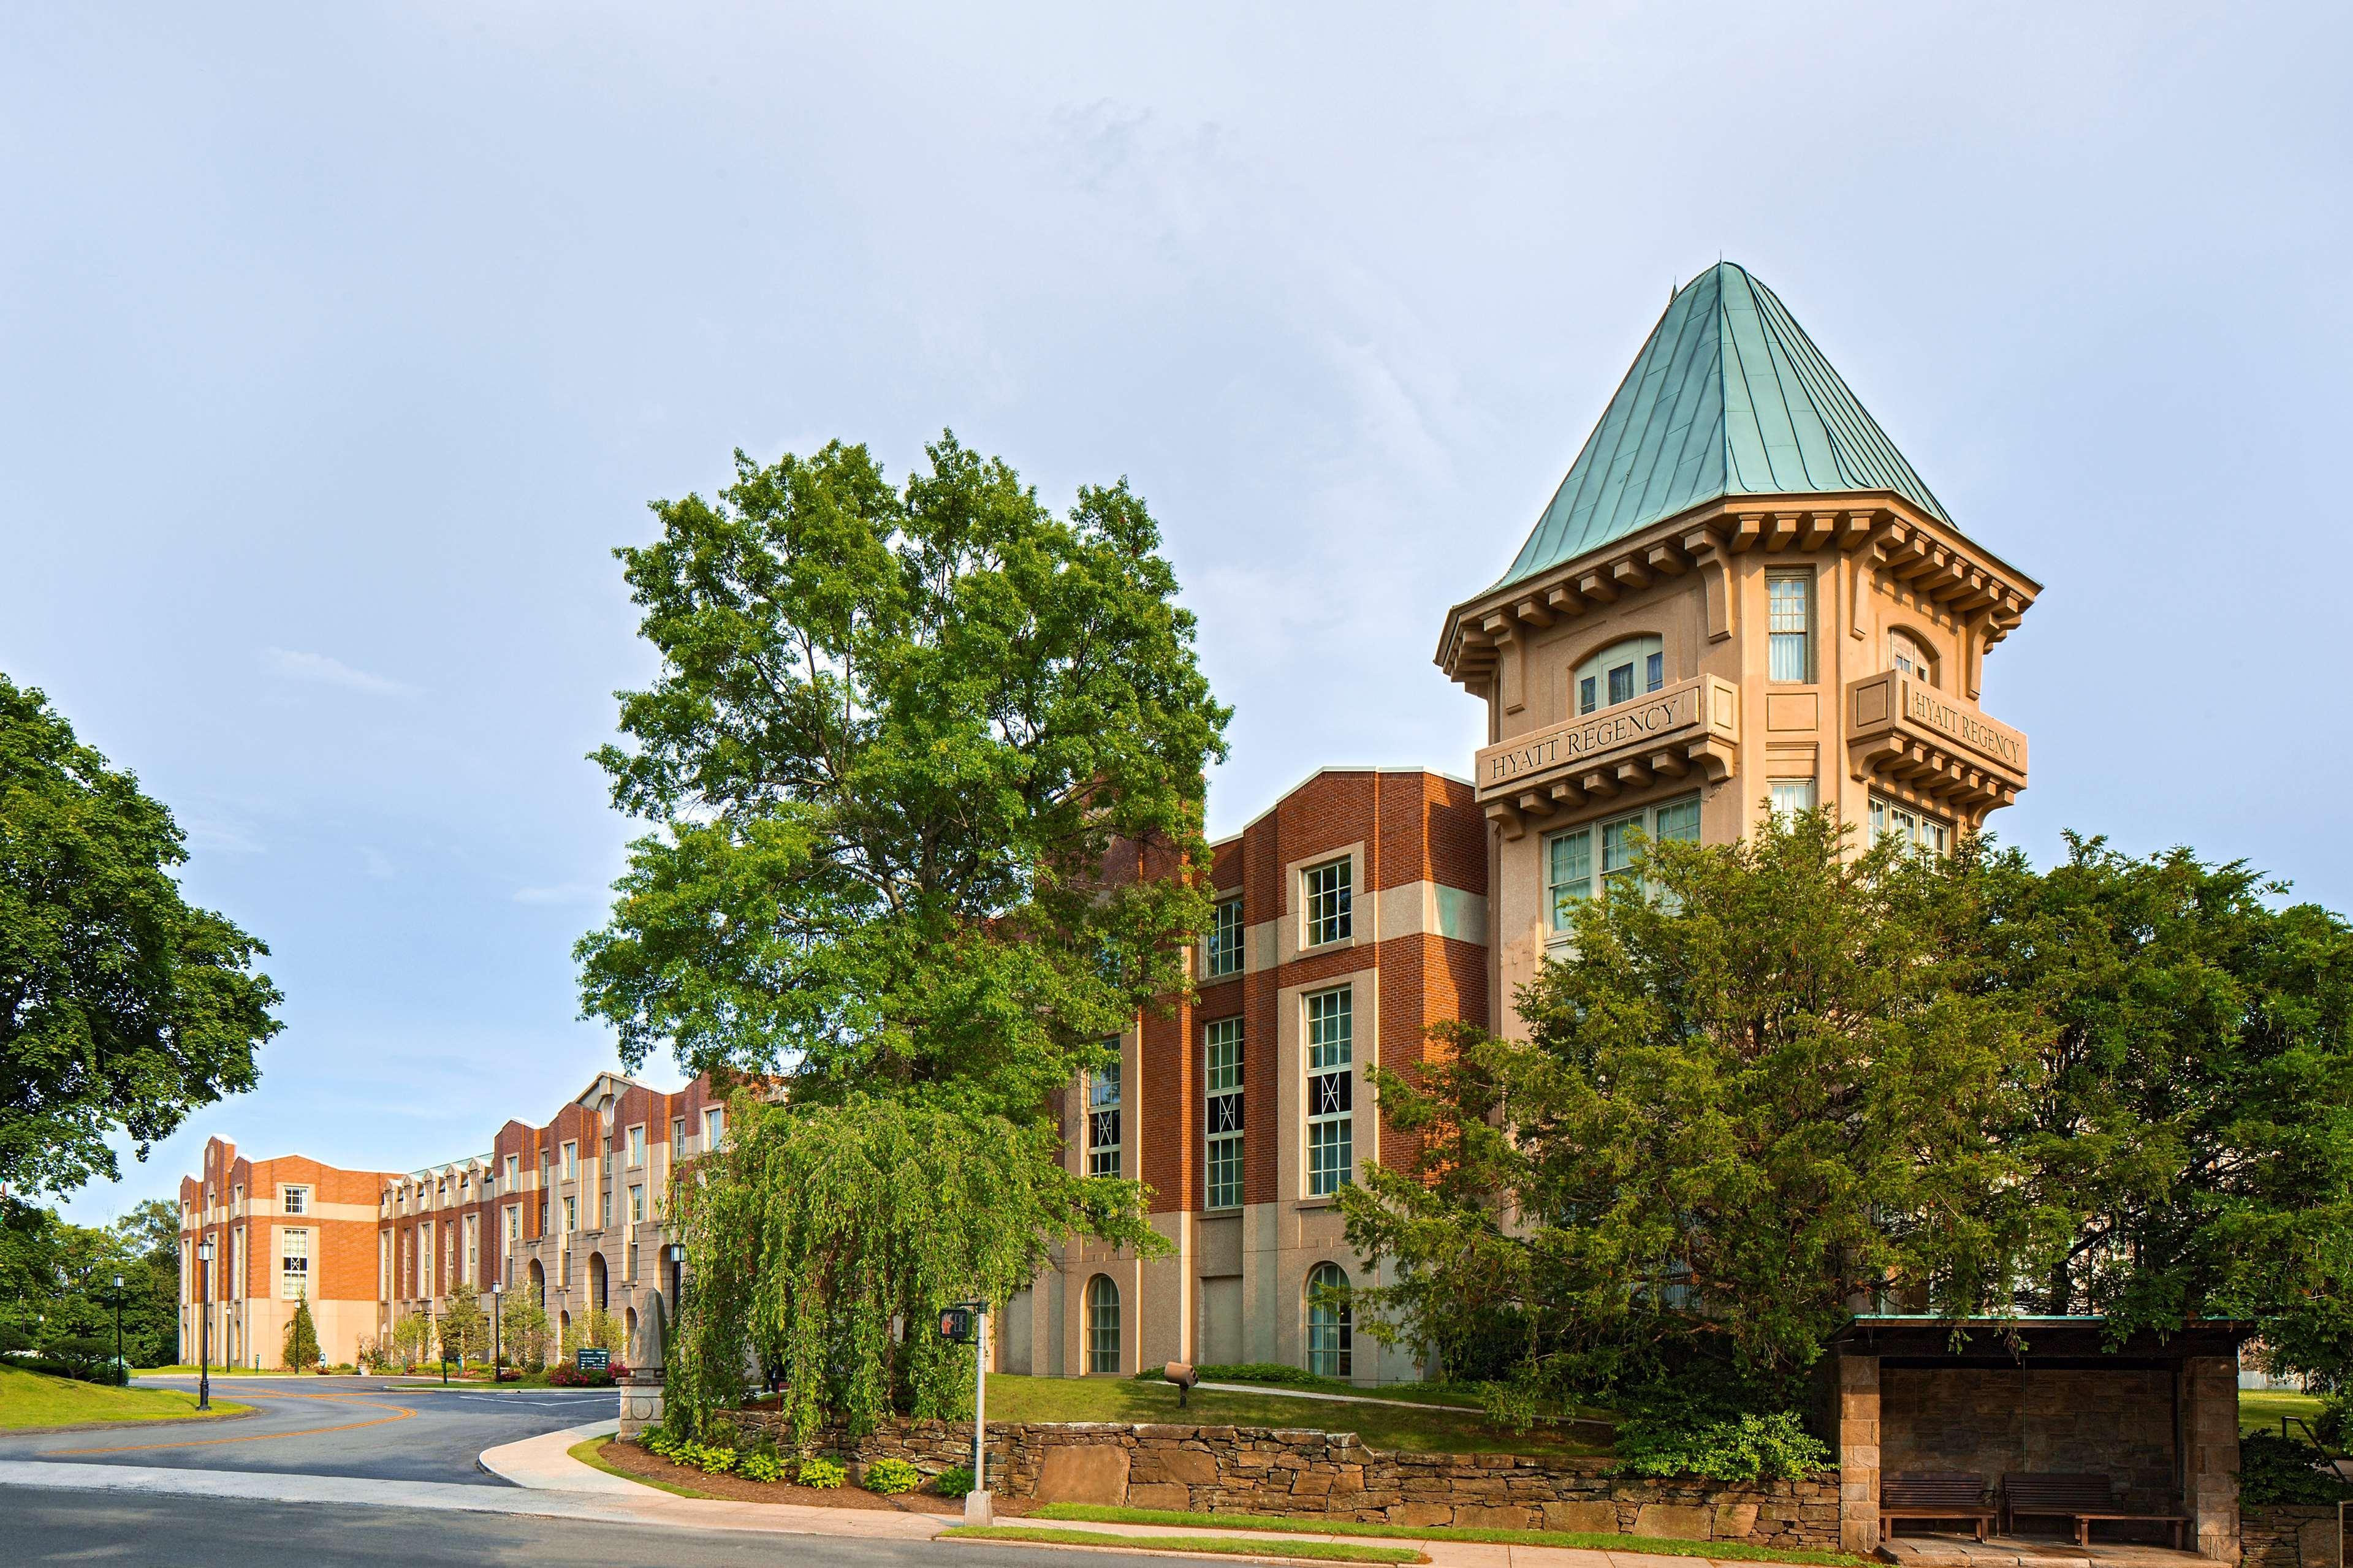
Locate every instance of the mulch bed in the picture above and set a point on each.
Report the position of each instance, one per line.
(635, 1461)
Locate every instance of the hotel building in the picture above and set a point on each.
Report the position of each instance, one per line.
(1742, 599)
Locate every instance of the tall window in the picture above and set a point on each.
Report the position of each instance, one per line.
(1222, 1055)
(514, 1222)
(514, 1171)
(1331, 1322)
(1226, 938)
(571, 1161)
(1102, 1119)
(473, 1250)
(424, 1259)
(636, 1206)
(1329, 918)
(714, 1126)
(1790, 614)
(605, 1210)
(1568, 873)
(571, 1216)
(637, 1145)
(1619, 673)
(298, 1200)
(1790, 796)
(1905, 654)
(677, 1136)
(1103, 1325)
(1921, 831)
(1331, 1094)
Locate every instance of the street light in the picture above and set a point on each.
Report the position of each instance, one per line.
(118, 1330)
(205, 1324)
(497, 1289)
(674, 1254)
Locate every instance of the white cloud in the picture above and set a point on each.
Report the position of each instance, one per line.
(321, 670)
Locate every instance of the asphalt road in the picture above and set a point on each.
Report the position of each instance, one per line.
(46, 1526)
(366, 1428)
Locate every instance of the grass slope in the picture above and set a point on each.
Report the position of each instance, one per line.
(2260, 1409)
(1217, 1545)
(1657, 1546)
(591, 1453)
(34, 1399)
(1426, 1429)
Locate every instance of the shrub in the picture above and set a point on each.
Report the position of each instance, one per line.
(1509, 1406)
(821, 1473)
(953, 1482)
(1750, 1447)
(759, 1466)
(563, 1374)
(892, 1476)
(2330, 1425)
(2277, 1469)
(715, 1461)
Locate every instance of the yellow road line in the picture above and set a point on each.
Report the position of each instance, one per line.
(399, 1413)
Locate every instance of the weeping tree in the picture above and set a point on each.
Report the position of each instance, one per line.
(823, 1242)
(924, 765)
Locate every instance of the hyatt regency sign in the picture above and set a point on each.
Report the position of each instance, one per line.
(1628, 726)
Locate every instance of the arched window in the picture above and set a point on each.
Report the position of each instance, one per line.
(1331, 1322)
(1618, 673)
(1103, 1325)
(1906, 655)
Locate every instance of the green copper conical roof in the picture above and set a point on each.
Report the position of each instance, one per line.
(1728, 398)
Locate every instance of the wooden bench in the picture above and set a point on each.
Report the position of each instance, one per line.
(1934, 1495)
(2083, 1501)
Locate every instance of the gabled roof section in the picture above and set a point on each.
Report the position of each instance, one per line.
(1728, 398)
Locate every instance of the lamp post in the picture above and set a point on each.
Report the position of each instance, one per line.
(205, 1324)
(118, 1330)
(674, 1254)
(498, 1289)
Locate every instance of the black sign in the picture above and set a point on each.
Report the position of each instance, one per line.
(590, 1359)
(955, 1324)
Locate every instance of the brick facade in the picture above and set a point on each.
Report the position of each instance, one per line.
(283, 1229)
(1414, 954)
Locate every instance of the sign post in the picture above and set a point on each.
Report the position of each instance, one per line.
(966, 1324)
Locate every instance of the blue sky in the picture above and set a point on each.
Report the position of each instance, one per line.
(339, 345)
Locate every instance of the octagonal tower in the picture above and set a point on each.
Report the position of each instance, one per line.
(1742, 598)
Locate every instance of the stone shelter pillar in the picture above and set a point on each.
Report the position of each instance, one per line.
(1857, 1418)
(2209, 1452)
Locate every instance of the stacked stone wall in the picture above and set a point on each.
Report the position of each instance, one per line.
(2288, 1536)
(1246, 1469)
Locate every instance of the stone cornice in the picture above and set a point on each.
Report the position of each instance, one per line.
(1880, 531)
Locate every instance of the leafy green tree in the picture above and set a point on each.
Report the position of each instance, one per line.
(2190, 1107)
(122, 1006)
(523, 1332)
(411, 1340)
(302, 1338)
(897, 741)
(465, 1330)
(1746, 1101)
(597, 1330)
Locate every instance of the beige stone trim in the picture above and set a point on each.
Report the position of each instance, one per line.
(1290, 927)
(1413, 908)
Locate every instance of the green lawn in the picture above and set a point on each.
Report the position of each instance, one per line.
(1217, 1545)
(1430, 1430)
(1723, 1550)
(2260, 1409)
(34, 1399)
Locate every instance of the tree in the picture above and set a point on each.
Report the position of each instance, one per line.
(903, 752)
(596, 1329)
(302, 1338)
(465, 1330)
(411, 1339)
(1758, 1089)
(523, 1332)
(122, 1006)
(2190, 1109)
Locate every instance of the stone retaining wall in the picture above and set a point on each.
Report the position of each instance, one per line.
(1250, 1469)
(2288, 1535)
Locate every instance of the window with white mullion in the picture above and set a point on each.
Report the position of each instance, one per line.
(1330, 895)
(1104, 1119)
(1789, 614)
(1222, 1076)
(1226, 938)
(1924, 834)
(293, 1264)
(1331, 1091)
